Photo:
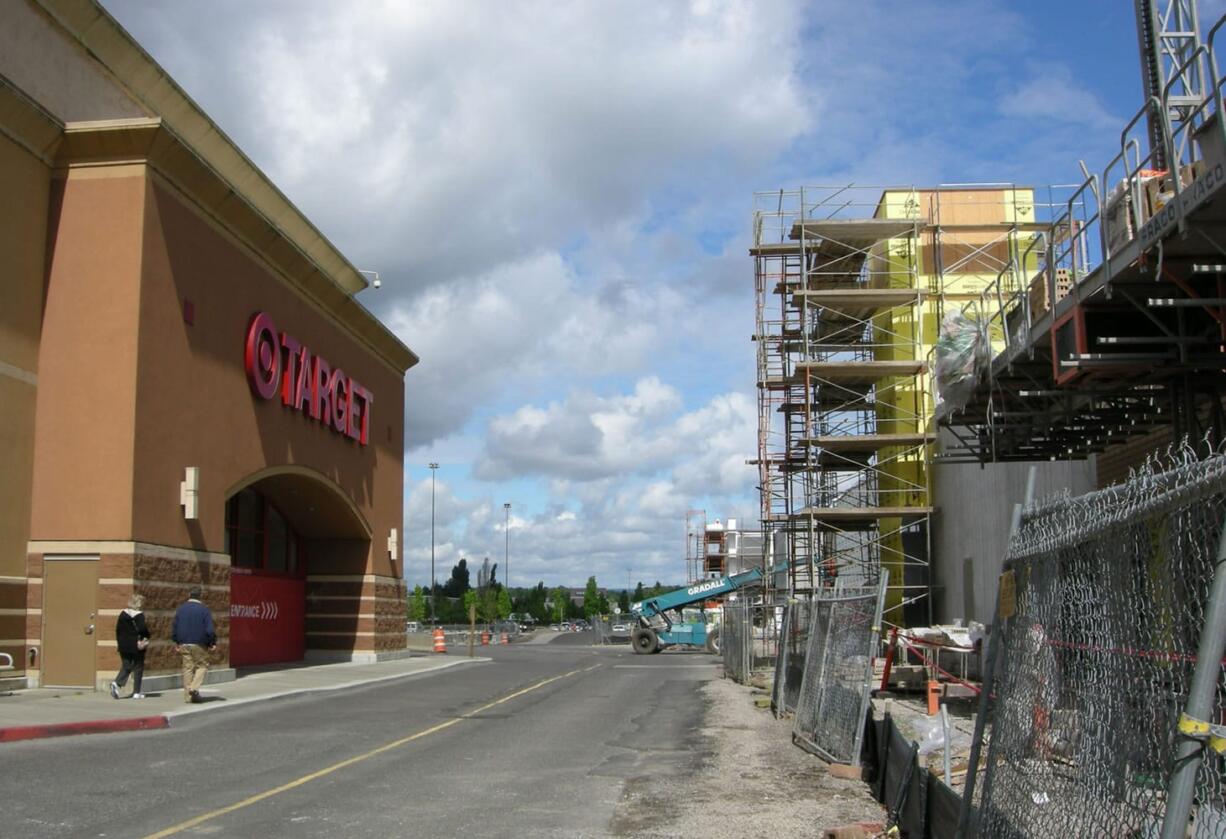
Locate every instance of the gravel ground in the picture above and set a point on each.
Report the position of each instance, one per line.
(746, 779)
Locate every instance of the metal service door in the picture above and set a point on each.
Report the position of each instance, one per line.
(70, 618)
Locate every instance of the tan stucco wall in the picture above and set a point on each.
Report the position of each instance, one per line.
(23, 225)
(87, 368)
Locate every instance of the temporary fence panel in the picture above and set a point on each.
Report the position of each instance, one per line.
(834, 693)
(1101, 609)
(749, 639)
(790, 664)
(736, 635)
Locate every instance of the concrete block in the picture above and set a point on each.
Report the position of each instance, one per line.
(859, 830)
(843, 770)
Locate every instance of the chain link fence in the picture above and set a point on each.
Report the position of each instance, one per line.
(612, 630)
(1101, 609)
(844, 627)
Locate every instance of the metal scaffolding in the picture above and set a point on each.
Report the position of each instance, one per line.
(851, 283)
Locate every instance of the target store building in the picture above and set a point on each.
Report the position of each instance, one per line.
(190, 391)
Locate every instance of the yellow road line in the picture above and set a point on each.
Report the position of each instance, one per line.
(328, 770)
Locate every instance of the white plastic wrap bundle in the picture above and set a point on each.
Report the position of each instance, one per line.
(962, 351)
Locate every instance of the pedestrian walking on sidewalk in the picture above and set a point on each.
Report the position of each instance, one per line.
(195, 637)
(132, 637)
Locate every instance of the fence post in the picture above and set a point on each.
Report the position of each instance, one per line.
(1194, 721)
(874, 640)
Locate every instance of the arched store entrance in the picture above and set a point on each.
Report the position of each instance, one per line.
(283, 526)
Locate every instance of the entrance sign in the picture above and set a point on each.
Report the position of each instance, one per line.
(278, 361)
(267, 619)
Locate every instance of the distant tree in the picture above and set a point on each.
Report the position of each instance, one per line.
(451, 611)
(471, 599)
(459, 584)
(639, 594)
(561, 602)
(534, 603)
(487, 608)
(602, 604)
(504, 604)
(623, 601)
(591, 599)
(418, 605)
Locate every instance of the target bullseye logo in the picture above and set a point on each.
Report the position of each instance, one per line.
(278, 361)
(263, 356)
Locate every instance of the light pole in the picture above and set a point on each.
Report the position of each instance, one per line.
(433, 608)
(506, 549)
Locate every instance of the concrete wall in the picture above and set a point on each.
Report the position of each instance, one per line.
(971, 528)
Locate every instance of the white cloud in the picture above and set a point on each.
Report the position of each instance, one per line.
(558, 196)
(529, 320)
(1052, 94)
(439, 139)
(589, 437)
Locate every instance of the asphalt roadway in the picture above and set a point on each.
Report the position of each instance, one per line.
(538, 741)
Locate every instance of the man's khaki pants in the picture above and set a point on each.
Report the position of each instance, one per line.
(195, 666)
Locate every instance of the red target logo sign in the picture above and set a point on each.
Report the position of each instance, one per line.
(278, 361)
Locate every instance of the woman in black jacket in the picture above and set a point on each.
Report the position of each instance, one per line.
(132, 636)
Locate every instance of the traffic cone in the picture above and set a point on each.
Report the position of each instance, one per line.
(440, 640)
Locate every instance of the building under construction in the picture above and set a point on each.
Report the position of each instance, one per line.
(1090, 319)
(852, 284)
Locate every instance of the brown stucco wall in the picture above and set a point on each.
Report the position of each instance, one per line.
(196, 408)
(23, 225)
(83, 449)
(134, 393)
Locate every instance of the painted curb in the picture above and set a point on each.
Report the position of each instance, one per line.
(66, 729)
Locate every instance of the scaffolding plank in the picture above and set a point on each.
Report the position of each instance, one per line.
(862, 513)
(866, 443)
(862, 231)
(858, 518)
(860, 372)
(857, 303)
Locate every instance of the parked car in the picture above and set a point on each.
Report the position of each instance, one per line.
(554, 627)
(619, 629)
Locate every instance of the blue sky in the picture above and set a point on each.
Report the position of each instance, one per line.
(558, 197)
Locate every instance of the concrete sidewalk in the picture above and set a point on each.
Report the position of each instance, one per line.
(57, 712)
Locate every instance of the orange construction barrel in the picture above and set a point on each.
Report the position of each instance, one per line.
(505, 639)
(485, 639)
(440, 640)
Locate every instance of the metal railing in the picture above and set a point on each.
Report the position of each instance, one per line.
(1144, 202)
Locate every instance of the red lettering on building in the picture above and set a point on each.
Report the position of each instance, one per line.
(277, 361)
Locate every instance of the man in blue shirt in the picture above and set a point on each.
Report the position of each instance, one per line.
(195, 637)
